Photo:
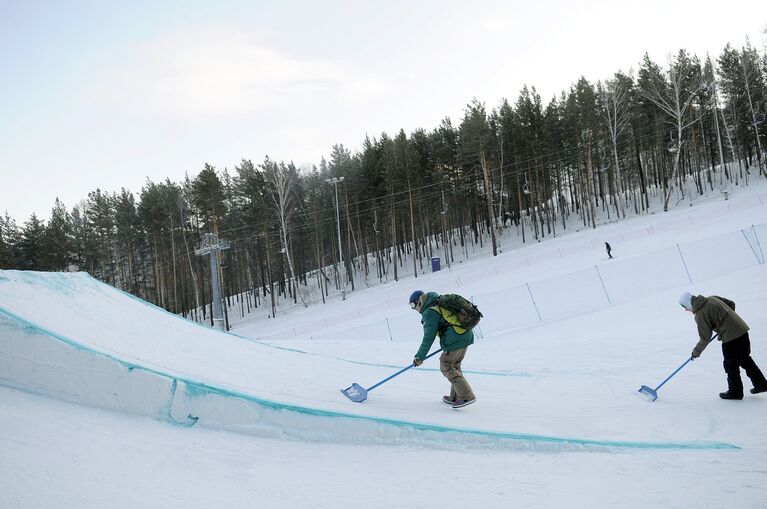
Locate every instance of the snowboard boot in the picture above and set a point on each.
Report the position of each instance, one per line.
(730, 395)
(460, 403)
(758, 389)
(448, 400)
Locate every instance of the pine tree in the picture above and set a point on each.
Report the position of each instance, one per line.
(9, 240)
(31, 245)
(100, 244)
(208, 198)
(58, 241)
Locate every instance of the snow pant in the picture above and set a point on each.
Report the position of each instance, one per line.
(450, 366)
(737, 354)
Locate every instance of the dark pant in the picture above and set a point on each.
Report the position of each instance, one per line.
(737, 354)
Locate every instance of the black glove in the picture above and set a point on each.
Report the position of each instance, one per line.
(417, 362)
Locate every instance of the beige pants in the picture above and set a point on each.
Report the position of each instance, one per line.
(450, 365)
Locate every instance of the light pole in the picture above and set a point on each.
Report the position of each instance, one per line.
(335, 181)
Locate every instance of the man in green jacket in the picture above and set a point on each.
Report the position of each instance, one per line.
(454, 342)
(717, 314)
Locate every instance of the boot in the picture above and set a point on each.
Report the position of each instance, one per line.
(448, 400)
(759, 388)
(730, 395)
(460, 403)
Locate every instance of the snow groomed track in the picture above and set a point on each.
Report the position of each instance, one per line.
(70, 337)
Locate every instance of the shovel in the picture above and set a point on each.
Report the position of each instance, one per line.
(653, 393)
(358, 394)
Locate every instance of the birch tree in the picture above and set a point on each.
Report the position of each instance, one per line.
(673, 94)
(753, 84)
(283, 180)
(614, 98)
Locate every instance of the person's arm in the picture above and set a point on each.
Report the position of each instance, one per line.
(430, 325)
(704, 335)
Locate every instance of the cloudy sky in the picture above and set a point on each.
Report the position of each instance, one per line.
(107, 94)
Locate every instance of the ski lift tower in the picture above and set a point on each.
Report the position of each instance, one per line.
(210, 244)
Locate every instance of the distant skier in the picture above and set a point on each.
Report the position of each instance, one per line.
(454, 346)
(608, 248)
(718, 314)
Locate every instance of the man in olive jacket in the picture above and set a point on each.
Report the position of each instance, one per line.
(454, 344)
(717, 314)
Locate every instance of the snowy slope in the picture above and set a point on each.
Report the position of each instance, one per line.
(565, 382)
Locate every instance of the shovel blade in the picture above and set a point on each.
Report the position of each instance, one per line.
(652, 393)
(356, 393)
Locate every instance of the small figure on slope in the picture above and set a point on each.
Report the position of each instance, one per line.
(717, 314)
(608, 248)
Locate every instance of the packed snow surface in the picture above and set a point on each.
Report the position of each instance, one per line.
(108, 401)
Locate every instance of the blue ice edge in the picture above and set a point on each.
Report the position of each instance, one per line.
(201, 388)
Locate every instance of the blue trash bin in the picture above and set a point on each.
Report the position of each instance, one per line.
(434, 263)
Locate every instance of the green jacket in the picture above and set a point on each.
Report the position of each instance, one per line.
(435, 325)
(716, 314)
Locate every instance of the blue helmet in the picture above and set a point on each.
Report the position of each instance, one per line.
(415, 296)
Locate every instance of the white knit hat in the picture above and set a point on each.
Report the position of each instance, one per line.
(686, 301)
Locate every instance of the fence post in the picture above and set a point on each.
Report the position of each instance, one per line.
(534, 304)
(753, 250)
(684, 263)
(759, 244)
(603, 285)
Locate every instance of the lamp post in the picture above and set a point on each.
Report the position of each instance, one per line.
(335, 181)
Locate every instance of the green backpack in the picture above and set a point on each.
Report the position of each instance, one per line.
(460, 313)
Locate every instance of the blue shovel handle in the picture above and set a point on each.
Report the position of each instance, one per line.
(683, 365)
(401, 371)
(654, 392)
(672, 374)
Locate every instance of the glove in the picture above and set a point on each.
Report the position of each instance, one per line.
(695, 354)
(417, 362)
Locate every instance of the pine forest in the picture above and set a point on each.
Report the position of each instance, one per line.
(614, 149)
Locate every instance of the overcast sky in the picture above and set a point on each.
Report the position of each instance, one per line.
(100, 94)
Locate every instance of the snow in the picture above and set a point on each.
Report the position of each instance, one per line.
(107, 401)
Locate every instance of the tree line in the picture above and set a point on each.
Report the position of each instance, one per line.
(671, 131)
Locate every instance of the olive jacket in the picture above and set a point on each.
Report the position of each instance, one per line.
(434, 324)
(716, 314)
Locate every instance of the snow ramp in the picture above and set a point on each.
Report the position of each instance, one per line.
(70, 337)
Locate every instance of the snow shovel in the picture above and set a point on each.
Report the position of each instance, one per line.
(653, 393)
(358, 394)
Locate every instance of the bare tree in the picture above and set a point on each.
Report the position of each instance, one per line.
(617, 115)
(283, 180)
(751, 72)
(180, 202)
(673, 95)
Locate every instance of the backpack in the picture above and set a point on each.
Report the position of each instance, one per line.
(730, 304)
(458, 312)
